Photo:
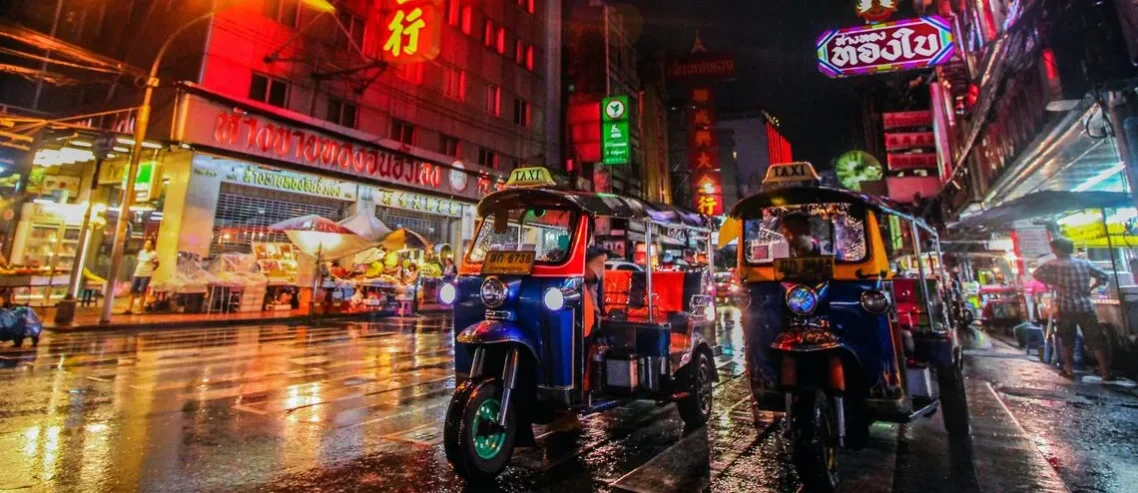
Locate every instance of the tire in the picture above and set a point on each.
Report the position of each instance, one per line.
(35, 341)
(18, 342)
(695, 409)
(815, 442)
(477, 448)
(953, 400)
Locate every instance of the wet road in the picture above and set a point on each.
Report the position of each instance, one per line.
(359, 407)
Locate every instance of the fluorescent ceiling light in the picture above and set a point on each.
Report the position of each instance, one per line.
(1099, 178)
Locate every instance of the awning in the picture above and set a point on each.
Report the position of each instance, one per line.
(1044, 204)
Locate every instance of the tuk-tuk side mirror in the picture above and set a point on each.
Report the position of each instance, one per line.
(501, 223)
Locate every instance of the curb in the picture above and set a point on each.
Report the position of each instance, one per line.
(220, 323)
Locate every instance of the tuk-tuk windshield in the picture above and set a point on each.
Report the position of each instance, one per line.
(547, 232)
(806, 230)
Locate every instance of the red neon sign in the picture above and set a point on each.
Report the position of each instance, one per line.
(412, 31)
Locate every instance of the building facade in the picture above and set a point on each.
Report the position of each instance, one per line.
(271, 109)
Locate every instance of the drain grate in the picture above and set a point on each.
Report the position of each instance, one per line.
(425, 435)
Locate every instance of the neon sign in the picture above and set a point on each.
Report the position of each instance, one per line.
(889, 47)
(412, 31)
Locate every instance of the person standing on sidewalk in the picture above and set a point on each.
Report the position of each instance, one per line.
(143, 271)
(1073, 279)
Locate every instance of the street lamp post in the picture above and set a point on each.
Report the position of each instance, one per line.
(140, 127)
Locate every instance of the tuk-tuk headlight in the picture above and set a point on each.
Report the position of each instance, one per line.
(494, 292)
(802, 300)
(447, 293)
(874, 301)
(553, 299)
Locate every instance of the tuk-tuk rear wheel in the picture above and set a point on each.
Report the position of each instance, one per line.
(815, 441)
(695, 408)
(953, 401)
(477, 447)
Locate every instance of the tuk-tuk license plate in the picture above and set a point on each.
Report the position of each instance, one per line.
(508, 263)
(804, 269)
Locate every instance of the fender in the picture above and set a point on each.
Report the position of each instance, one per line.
(498, 332)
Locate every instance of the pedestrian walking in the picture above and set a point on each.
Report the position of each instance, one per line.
(1073, 279)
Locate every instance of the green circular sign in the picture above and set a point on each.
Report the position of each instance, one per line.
(854, 167)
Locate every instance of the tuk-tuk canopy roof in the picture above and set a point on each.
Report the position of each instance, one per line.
(596, 204)
(753, 205)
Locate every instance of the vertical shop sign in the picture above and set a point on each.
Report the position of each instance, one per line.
(707, 181)
(614, 130)
(412, 31)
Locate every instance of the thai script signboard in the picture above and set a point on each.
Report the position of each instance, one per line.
(892, 46)
(702, 66)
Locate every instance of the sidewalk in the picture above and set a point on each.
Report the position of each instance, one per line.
(1084, 432)
(87, 318)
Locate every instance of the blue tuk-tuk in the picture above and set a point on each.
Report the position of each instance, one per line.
(844, 316)
(532, 344)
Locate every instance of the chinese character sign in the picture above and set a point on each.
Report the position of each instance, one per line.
(892, 46)
(703, 154)
(411, 31)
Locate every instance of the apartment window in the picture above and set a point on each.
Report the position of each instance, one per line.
(403, 132)
(521, 112)
(529, 58)
(494, 100)
(526, 5)
(519, 52)
(487, 158)
(269, 90)
(410, 72)
(467, 19)
(454, 84)
(501, 41)
(454, 12)
(488, 34)
(449, 145)
(355, 31)
(283, 11)
(342, 112)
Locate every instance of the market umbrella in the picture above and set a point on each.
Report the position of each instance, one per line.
(405, 238)
(366, 225)
(322, 238)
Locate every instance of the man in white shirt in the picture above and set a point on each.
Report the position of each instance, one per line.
(143, 271)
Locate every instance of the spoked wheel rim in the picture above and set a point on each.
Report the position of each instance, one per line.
(487, 435)
(704, 376)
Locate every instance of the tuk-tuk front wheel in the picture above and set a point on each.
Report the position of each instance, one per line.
(476, 445)
(695, 407)
(814, 438)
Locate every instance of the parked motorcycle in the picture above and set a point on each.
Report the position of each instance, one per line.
(17, 324)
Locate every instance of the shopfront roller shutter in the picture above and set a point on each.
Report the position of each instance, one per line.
(244, 214)
(432, 227)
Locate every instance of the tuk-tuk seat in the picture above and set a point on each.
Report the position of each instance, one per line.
(910, 302)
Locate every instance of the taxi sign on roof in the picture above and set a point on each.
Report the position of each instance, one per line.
(536, 177)
(786, 173)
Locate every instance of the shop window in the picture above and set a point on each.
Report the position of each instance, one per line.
(521, 112)
(501, 42)
(488, 34)
(449, 145)
(244, 213)
(269, 90)
(487, 158)
(454, 83)
(342, 112)
(355, 31)
(411, 72)
(494, 100)
(403, 132)
(283, 11)
(529, 58)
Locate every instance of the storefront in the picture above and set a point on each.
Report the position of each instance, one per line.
(247, 170)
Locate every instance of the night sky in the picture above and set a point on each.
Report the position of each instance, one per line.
(773, 43)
